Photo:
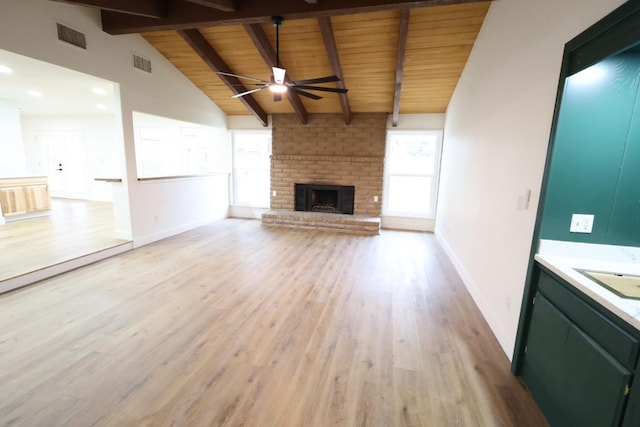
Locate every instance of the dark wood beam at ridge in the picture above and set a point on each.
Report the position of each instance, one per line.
(141, 8)
(261, 41)
(202, 47)
(189, 15)
(402, 45)
(224, 5)
(334, 59)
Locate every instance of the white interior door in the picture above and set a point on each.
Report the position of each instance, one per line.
(64, 156)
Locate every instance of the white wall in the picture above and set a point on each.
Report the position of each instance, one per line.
(417, 122)
(246, 123)
(496, 137)
(28, 27)
(12, 160)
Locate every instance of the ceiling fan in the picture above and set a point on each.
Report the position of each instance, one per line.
(278, 85)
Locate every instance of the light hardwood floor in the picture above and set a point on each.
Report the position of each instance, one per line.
(236, 324)
(72, 229)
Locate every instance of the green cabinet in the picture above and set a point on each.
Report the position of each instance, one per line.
(578, 364)
(573, 379)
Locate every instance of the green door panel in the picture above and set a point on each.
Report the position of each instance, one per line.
(543, 369)
(595, 384)
(574, 380)
(632, 411)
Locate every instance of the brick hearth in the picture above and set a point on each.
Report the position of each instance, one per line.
(318, 220)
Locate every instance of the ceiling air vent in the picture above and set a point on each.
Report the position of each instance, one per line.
(71, 36)
(141, 63)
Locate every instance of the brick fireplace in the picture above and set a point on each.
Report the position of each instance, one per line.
(326, 151)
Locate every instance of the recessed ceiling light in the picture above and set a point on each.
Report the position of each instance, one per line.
(35, 93)
(101, 106)
(99, 91)
(5, 70)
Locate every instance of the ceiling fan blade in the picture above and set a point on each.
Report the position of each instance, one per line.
(227, 85)
(241, 77)
(327, 79)
(277, 97)
(307, 94)
(323, 89)
(238, 95)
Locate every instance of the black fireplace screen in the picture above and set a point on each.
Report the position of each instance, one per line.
(324, 198)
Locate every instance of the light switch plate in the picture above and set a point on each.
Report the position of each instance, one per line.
(581, 223)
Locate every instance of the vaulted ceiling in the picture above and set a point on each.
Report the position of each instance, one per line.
(398, 57)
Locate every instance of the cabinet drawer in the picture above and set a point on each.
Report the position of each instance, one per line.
(611, 337)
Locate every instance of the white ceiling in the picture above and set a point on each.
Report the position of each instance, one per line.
(63, 91)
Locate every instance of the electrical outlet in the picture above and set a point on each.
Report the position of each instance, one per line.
(581, 223)
(375, 199)
(274, 192)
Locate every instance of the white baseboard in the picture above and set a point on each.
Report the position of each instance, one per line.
(496, 326)
(405, 223)
(246, 212)
(26, 216)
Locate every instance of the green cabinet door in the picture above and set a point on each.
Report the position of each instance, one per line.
(573, 379)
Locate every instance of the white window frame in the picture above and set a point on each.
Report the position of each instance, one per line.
(172, 148)
(435, 176)
(234, 135)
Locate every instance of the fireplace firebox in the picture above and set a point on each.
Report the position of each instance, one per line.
(324, 198)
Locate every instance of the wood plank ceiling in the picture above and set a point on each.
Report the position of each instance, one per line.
(398, 57)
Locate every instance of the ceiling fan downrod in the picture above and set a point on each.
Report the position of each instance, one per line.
(277, 21)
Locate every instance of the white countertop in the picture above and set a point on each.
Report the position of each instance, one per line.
(563, 258)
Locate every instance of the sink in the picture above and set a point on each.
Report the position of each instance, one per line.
(623, 285)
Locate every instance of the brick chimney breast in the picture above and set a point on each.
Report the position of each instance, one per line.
(327, 151)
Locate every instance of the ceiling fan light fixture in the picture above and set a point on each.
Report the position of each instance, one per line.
(277, 85)
(278, 88)
(278, 74)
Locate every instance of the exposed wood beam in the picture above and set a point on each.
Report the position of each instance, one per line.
(261, 41)
(224, 5)
(334, 59)
(402, 45)
(190, 15)
(202, 47)
(141, 8)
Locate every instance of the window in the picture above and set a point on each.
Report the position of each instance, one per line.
(411, 173)
(251, 168)
(167, 147)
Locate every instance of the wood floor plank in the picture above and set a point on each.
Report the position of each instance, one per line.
(235, 324)
(73, 228)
